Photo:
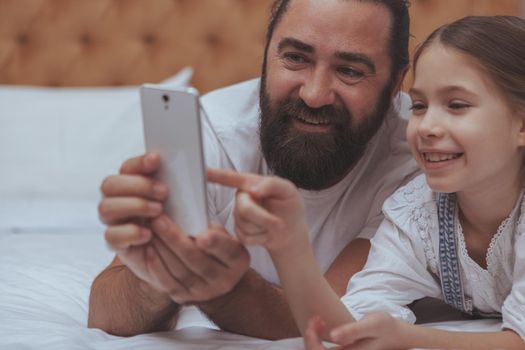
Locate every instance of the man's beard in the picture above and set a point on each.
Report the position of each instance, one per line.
(315, 160)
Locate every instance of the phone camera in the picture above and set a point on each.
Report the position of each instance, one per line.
(166, 98)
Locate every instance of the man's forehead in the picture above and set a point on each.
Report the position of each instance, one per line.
(343, 15)
(344, 23)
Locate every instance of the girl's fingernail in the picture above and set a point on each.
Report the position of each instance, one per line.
(335, 335)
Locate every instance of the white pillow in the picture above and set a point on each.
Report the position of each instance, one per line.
(56, 146)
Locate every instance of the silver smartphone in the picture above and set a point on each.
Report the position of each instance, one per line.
(172, 127)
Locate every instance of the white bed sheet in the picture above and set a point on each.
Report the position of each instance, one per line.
(44, 287)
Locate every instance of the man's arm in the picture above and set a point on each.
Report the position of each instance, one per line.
(122, 304)
(172, 269)
(258, 308)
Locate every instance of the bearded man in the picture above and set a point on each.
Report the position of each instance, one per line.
(325, 115)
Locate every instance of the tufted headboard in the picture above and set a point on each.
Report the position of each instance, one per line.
(122, 42)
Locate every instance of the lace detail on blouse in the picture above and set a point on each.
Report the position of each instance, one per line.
(490, 251)
(491, 256)
(411, 193)
(422, 215)
(521, 220)
(426, 225)
(487, 283)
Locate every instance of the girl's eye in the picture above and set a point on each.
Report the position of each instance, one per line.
(458, 105)
(417, 107)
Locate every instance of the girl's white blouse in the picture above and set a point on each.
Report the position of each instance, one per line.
(403, 264)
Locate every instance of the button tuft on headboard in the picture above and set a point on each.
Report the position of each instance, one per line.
(149, 39)
(86, 40)
(128, 42)
(213, 40)
(22, 39)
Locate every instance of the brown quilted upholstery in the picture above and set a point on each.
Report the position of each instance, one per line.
(120, 42)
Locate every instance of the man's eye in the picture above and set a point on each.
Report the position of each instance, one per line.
(294, 58)
(350, 72)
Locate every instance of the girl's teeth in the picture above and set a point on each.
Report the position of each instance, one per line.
(439, 157)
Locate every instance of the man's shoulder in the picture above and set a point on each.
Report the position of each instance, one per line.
(232, 101)
(241, 87)
(233, 114)
(388, 157)
(396, 120)
(402, 105)
(233, 111)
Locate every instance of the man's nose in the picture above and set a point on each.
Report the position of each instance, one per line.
(317, 90)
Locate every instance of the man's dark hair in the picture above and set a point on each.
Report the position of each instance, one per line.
(399, 33)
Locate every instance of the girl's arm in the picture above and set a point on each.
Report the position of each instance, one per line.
(419, 336)
(269, 212)
(307, 291)
(381, 331)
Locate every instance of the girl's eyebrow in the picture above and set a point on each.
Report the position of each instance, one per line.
(443, 90)
(413, 91)
(453, 88)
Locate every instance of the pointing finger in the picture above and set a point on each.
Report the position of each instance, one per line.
(232, 178)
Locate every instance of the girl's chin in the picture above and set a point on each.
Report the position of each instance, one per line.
(439, 185)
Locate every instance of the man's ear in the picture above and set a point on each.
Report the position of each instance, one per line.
(521, 132)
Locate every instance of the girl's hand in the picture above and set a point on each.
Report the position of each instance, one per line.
(374, 331)
(312, 334)
(268, 210)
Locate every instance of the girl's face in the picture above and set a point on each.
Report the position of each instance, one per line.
(462, 132)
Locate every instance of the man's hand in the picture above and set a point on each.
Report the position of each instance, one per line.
(129, 200)
(132, 196)
(186, 269)
(198, 269)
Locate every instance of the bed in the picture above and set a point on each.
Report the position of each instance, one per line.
(69, 115)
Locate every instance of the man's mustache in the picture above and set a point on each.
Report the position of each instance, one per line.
(328, 113)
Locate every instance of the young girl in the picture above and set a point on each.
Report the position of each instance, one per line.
(456, 233)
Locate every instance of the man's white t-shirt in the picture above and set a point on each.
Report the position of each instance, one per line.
(337, 215)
